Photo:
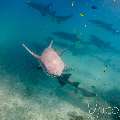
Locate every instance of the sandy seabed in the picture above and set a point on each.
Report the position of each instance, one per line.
(16, 105)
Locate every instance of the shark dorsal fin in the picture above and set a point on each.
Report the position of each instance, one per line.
(50, 45)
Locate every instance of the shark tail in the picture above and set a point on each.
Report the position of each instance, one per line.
(32, 53)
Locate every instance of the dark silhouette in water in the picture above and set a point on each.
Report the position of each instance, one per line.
(94, 7)
(76, 50)
(101, 44)
(42, 8)
(67, 36)
(64, 79)
(65, 46)
(87, 93)
(105, 25)
(60, 19)
(47, 10)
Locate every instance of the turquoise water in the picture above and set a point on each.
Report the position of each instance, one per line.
(27, 93)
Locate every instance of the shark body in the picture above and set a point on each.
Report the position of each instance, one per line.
(47, 10)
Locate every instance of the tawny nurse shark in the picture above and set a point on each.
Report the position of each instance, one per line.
(52, 63)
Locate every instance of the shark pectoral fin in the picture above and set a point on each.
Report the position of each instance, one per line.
(32, 53)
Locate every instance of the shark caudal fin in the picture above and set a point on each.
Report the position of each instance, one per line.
(32, 53)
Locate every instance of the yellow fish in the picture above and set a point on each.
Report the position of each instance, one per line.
(82, 14)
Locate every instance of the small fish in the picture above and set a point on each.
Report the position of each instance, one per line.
(82, 14)
(94, 7)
